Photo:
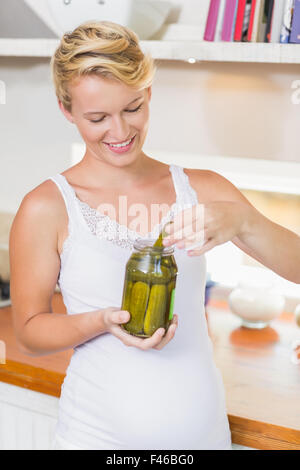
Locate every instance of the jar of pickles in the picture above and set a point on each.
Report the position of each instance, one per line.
(149, 288)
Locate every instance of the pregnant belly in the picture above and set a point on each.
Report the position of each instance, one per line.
(168, 405)
(149, 401)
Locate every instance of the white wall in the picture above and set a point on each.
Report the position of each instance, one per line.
(232, 109)
(17, 20)
(209, 108)
(193, 12)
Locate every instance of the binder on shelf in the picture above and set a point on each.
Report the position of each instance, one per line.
(269, 25)
(257, 20)
(220, 21)
(269, 21)
(277, 20)
(234, 21)
(229, 20)
(251, 20)
(286, 21)
(239, 20)
(211, 22)
(295, 31)
(246, 20)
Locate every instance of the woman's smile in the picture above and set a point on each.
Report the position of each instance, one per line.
(122, 147)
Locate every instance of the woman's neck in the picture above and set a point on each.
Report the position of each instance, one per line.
(94, 172)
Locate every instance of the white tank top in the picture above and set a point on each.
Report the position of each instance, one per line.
(120, 397)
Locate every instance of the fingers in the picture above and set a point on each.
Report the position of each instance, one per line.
(135, 341)
(169, 335)
(188, 234)
(120, 316)
(188, 229)
(188, 217)
(156, 341)
(206, 247)
(195, 245)
(190, 243)
(114, 316)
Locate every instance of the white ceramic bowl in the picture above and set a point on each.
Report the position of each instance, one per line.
(144, 17)
(256, 306)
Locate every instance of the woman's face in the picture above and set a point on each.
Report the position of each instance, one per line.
(111, 118)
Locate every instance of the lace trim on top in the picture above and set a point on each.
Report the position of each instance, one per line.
(102, 226)
(187, 196)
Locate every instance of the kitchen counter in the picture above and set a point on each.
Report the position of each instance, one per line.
(262, 384)
(43, 374)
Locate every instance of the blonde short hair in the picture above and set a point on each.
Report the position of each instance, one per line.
(103, 48)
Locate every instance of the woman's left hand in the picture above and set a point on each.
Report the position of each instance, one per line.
(204, 226)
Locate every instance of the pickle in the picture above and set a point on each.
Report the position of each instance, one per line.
(138, 304)
(159, 242)
(166, 261)
(136, 275)
(161, 276)
(170, 287)
(139, 276)
(127, 295)
(169, 262)
(150, 280)
(139, 268)
(151, 271)
(137, 257)
(155, 314)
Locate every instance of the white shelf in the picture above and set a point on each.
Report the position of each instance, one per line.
(28, 47)
(245, 173)
(182, 50)
(224, 52)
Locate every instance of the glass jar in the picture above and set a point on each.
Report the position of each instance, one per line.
(149, 288)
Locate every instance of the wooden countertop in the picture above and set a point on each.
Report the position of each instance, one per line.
(43, 374)
(262, 384)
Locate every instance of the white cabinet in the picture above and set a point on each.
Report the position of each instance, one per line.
(27, 419)
(181, 49)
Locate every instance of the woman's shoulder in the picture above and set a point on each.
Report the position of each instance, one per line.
(42, 204)
(202, 181)
(45, 194)
(195, 173)
(212, 186)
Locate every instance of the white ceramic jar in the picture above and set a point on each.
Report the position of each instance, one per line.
(256, 303)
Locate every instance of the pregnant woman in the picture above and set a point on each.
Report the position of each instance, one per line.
(120, 391)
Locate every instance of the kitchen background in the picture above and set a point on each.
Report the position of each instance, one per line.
(238, 111)
(239, 118)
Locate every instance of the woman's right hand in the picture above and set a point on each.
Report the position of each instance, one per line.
(113, 317)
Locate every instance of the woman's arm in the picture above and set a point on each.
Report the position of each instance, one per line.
(272, 245)
(227, 215)
(269, 243)
(35, 266)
